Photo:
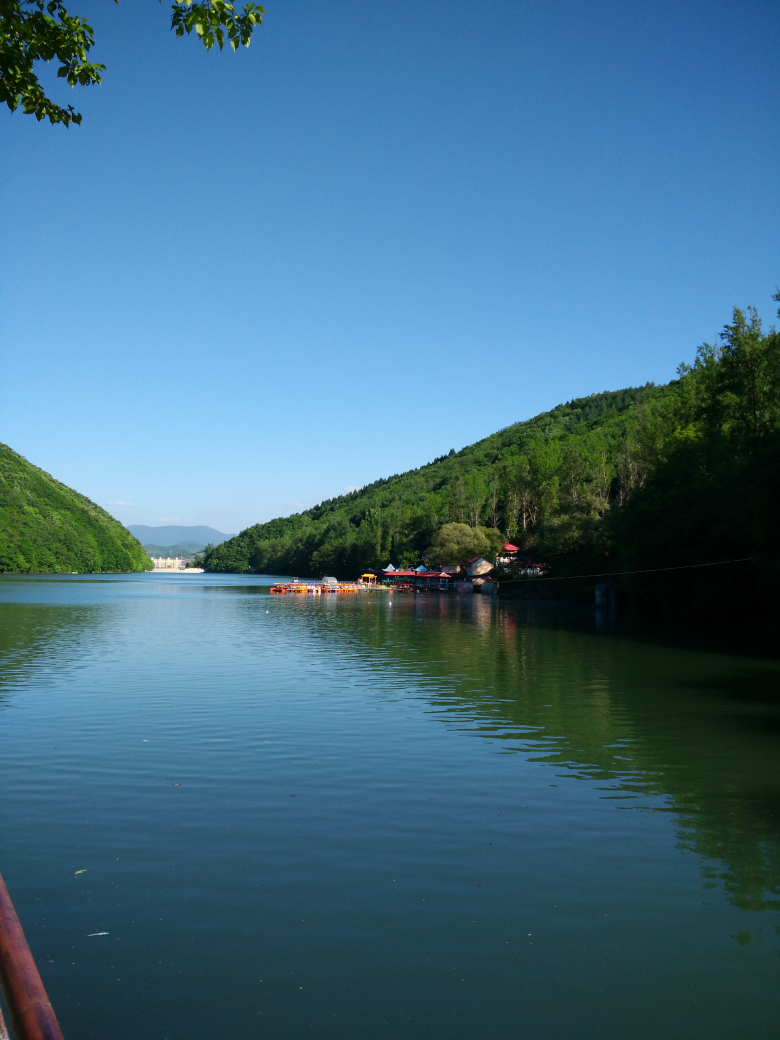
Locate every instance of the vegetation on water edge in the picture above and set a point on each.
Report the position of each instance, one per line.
(47, 528)
(647, 477)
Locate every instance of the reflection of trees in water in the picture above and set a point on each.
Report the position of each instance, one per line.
(40, 638)
(661, 729)
(698, 733)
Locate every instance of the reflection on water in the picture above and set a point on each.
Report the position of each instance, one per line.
(698, 730)
(407, 816)
(42, 642)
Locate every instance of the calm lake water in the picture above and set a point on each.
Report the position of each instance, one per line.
(362, 817)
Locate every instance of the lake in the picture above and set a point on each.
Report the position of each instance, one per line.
(358, 817)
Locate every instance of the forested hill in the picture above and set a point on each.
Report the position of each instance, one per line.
(45, 527)
(510, 480)
(656, 477)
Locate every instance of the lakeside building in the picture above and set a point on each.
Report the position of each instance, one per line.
(520, 562)
(478, 567)
(509, 555)
(421, 578)
(167, 563)
(479, 573)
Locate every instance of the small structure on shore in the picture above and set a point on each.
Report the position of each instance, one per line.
(167, 563)
(420, 578)
(478, 567)
(508, 555)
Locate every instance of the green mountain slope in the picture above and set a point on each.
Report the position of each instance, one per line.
(394, 519)
(651, 478)
(46, 527)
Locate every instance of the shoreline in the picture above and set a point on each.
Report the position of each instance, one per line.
(177, 570)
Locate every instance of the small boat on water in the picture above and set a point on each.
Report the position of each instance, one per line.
(328, 585)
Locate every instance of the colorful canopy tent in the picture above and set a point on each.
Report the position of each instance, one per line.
(421, 579)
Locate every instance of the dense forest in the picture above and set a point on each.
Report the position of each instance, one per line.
(637, 479)
(45, 527)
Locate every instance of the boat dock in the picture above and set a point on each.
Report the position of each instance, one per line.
(366, 583)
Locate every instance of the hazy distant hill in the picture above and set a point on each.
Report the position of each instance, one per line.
(186, 550)
(192, 538)
(46, 527)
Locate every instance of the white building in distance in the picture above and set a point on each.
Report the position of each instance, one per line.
(167, 563)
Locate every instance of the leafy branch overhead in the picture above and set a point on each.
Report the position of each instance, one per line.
(43, 30)
(215, 19)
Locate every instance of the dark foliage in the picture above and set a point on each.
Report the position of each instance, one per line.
(713, 492)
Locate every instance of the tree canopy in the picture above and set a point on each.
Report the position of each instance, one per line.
(455, 544)
(517, 482)
(43, 30)
(647, 478)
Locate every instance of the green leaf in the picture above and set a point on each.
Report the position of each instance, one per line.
(43, 30)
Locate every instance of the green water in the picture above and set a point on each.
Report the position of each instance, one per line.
(372, 817)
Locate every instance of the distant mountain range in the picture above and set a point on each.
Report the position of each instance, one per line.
(182, 539)
(186, 551)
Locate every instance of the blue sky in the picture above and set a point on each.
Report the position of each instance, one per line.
(250, 281)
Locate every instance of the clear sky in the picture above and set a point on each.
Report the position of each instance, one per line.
(248, 282)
